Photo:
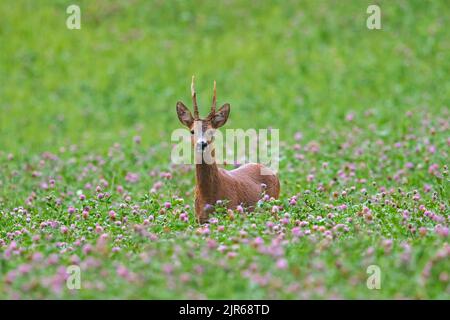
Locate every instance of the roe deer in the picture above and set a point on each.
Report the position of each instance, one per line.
(242, 186)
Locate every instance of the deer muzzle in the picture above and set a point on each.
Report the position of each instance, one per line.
(201, 144)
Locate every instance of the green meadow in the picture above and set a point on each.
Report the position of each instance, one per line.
(86, 177)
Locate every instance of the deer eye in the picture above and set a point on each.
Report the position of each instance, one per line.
(192, 131)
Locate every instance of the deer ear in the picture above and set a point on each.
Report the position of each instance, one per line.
(184, 115)
(221, 116)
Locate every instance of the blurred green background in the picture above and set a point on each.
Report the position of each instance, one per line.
(293, 65)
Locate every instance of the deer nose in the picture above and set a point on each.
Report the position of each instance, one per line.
(201, 144)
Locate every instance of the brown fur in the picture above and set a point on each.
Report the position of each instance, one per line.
(241, 186)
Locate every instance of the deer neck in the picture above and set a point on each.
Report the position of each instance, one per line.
(208, 180)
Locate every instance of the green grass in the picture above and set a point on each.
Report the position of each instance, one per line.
(71, 102)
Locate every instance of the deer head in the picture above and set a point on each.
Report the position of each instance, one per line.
(202, 130)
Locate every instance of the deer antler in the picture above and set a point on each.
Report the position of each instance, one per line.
(213, 107)
(194, 99)
(214, 102)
